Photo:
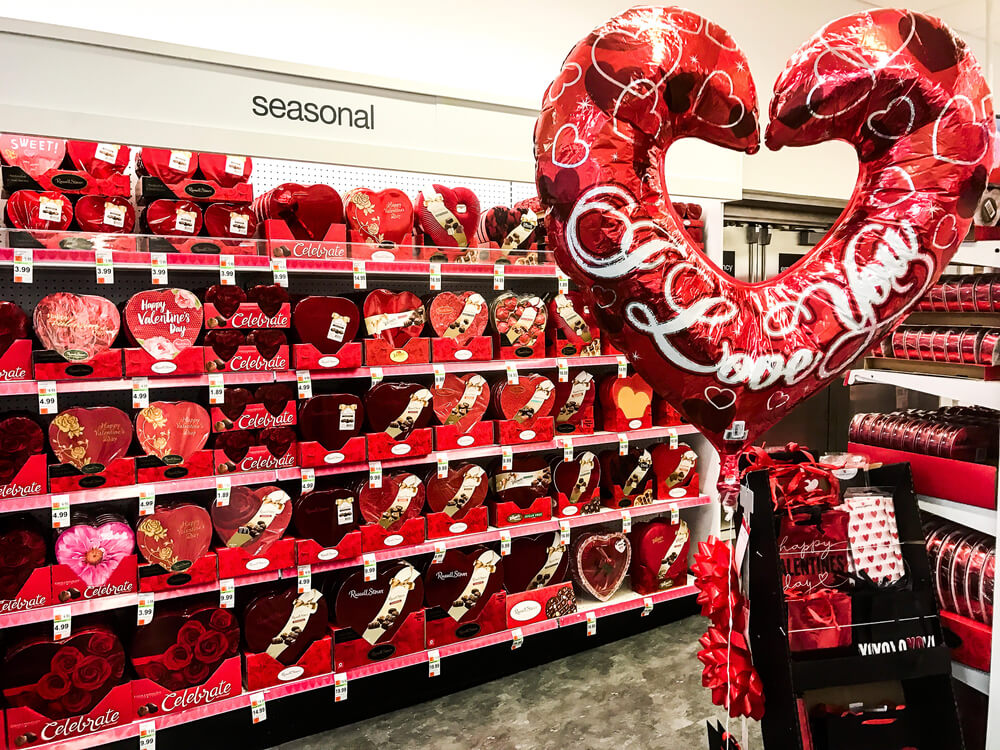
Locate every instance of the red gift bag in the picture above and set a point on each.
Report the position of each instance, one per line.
(819, 620)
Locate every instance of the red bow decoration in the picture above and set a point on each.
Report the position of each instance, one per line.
(717, 596)
(790, 485)
(727, 663)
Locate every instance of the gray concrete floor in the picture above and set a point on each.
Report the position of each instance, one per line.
(642, 692)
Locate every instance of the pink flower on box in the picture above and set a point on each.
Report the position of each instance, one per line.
(93, 553)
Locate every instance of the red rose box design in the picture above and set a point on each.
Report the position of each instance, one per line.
(286, 637)
(25, 579)
(659, 556)
(175, 537)
(599, 563)
(91, 443)
(383, 218)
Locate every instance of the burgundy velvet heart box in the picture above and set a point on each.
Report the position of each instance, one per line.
(676, 471)
(260, 350)
(659, 556)
(599, 562)
(460, 404)
(23, 464)
(248, 450)
(326, 329)
(463, 582)
(25, 578)
(524, 408)
(254, 519)
(576, 484)
(627, 480)
(392, 511)
(267, 306)
(398, 415)
(326, 523)
(330, 426)
(535, 562)
(15, 343)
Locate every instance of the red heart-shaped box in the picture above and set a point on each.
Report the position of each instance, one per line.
(580, 479)
(226, 299)
(326, 515)
(183, 646)
(376, 609)
(574, 330)
(103, 215)
(13, 325)
(508, 228)
(331, 419)
(309, 211)
(398, 409)
(384, 217)
(535, 562)
(461, 316)
(461, 400)
(34, 155)
(77, 327)
(519, 322)
(171, 166)
(174, 537)
(254, 519)
(271, 405)
(400, 498)
(173, 431)
(22, 539)
(225, 169)
(449, 216)
(28, 209)
(270, 298)
(659, 556)
(22, 439)
(626, 403)
(90, 438)
(674, 468)
(527, 401)
(326, 322)
(393, 317)
(463, 488)
(462, 583)
(573, 406)
(173, 218)
(599, 562)
(100, 160)
(230, 221)
(629, 479)
(528, 479)
(164, 322)
(64, 678)
(284, 623)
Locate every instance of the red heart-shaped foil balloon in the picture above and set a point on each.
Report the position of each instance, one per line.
(22, 539)
(173, 431)
(33, 154)
(28, 209)
(90, 438)
(284, 623)
(599, 562)
(382, 217)
(13, 325)
(173, 218)
(508, 228)
(326, 322)
(526, 401)
(175, 536)
(393, 317)
(534, 562)
(230, 220)
(400, 498)
(462, 400)
(398, 408)
(225, 169)
(77, 327)
(376, 609)
(309, 211)
(255, 518)
(449, 216)
(326, 516)
(100, 160)
(21, 437)
(463, 488)
(331, 419)
(170, 165)
(463, 582)
(461, 316)
(98, 213)
(164, 322)
(519, 319)
(579, 479)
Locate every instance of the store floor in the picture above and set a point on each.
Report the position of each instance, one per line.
(642, 692)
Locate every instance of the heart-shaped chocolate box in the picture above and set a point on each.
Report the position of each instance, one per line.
(100, 160)
(173, 218)
(21, 437)
(93, 549)
(174, 537)
(519, 320)
(398, 409)
(64, 678)
(308, 210)
(534, 562)
(376, 609)
(173, 431)
(382, 218)
(574, 325)
(528, 479)
(13, 325)
(227, 299)
(463, 582)
(673, 466)
(22, 549)
(331, 419)
(626, 403)
(629, 474)
(254, 519)
(77, 327)
(164, 322)
(231, 221)
(104, 215)
(50, 211)
(527, 401)
(284, 624)
(90, 439)
(227, 170)
(170, 165)
(393, 317)
(184, 644)
(449, 216)
(462, 400)
(34, 155)
(578, 479)
(508, 228)
(326, 322)
(400, 498)
(659, 555)
(573, 406)
(463, 488)
(326, 516)
(599, 562)
(459, 315)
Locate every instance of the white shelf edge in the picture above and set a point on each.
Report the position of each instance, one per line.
(980, 519)
(979, 392)
(984, 253)
(974, 678)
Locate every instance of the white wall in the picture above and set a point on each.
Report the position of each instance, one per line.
(491, 51)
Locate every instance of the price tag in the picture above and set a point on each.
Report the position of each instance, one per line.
(227, 270)
(308, 480)
(435, 277)
(564, 533)
(438, 376)
(511, 368)
(516, 639)
(304, 380)
(235, 165)
(180, 160)
(114, 215)
(504, 542)
(223, 488)
(439, 549)
(675, 514)
(60, 511)
(626, 521)
(647, 606)
(622, 366)
(48, 402)
(227, 593)
(147, 735)
(158, 269)
(24, 266)
(104, 266)
(433, 663)
(140, 393)
(442, 465)
(279, 268)
(216, 389)
(622, 444)
(591, 623)
(377, 375)
(498, 277)
(374, 474)
(258, 711)
(360, 275)
(305, 578)
(506, 458)
(370, 570)
(145, 611)
(62, 623)
(673, 438)
(147, 499)
(107, 152)
(563, 281)
(563, 367)
(339, 687)
(567, 444)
